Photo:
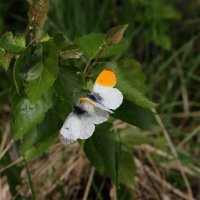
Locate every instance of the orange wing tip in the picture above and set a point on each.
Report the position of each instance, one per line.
(86, 101)
(107, 78)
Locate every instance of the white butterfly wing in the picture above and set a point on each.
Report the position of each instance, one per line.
(99, 116)
(87, 127)
(71, 129)
(112, 98)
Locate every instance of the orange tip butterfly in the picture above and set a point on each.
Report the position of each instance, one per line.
(93, 109)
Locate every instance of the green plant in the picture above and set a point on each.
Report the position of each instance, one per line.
(50, 72)
(76, 41)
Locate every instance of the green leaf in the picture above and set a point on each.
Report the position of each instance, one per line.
(136, 115)
(11, 44)
(28, 114)
(91, 44)
(72, 51)
(131, 82)
(115, 34)
(48, 72)
(103, 156)
(93, 155)
(68, 87)
(95, 45)
(34, 72)
(112, 50)
(127, 168)
(5, 58)
(20, 40)
(44, 38)
(50, 125)
(40, 148)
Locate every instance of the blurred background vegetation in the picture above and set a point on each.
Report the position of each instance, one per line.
(164, 37)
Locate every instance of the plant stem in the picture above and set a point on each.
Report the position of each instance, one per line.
(97, 55)
(30, 180)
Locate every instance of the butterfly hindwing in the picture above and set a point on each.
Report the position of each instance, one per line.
(71, 129)
(87, 128)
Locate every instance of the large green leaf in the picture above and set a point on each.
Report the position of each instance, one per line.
(90, 44)
(11, 44)
(131, 83)
(34, 72)
(50, 125)
(93, 155)
(40, 148)
(114, 49)
(104, 153)
(28, 114)
(136, 115)
(47, 73)
(103, 156)
(68, 87)
(95, 45)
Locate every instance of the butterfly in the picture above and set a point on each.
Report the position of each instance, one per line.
(93, 109)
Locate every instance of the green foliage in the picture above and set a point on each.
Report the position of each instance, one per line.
(51, 73)
(103, 158)
(131, 82)
(40, 148)
(72, 51)
(48, 84)
(12, 44)
(136, 115)
(42, 132)
(28, 114)
(106, 154)
(99, 45)
(91, 44)
(46, 71)
(155, 17)
(77, 35)
(114, 49)
(127, 168)
(68, 86)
